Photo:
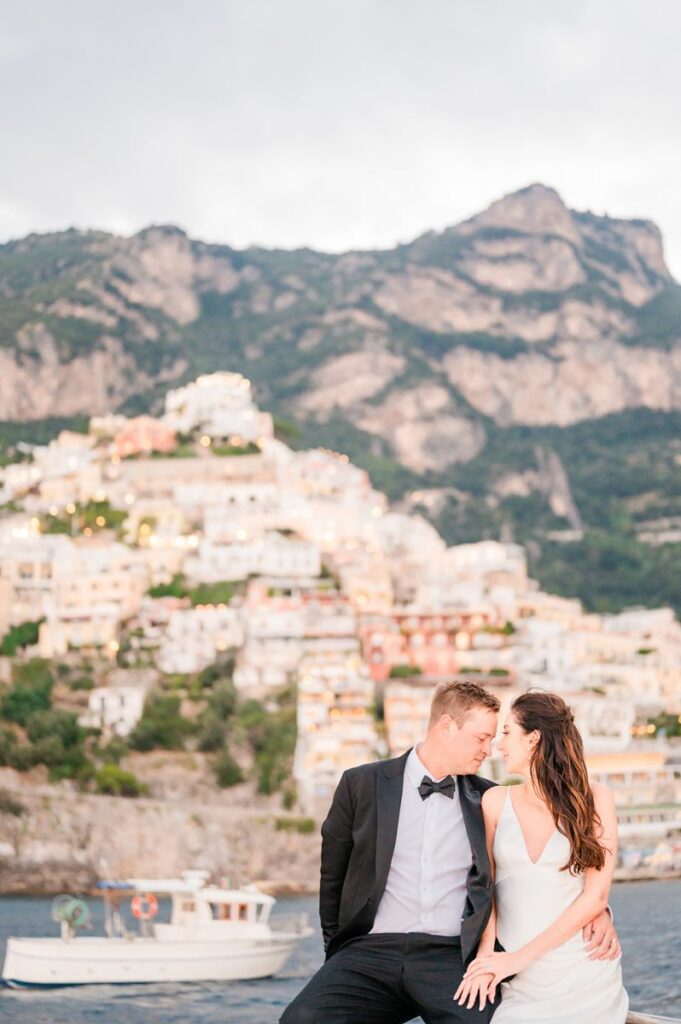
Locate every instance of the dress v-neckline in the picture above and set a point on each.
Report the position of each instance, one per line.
(520, 829)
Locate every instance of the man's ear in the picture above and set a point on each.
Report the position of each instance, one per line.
(447, 723)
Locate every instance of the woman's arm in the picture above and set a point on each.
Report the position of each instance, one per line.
(592, 900)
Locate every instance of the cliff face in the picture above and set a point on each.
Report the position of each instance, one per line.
(528, 335)
(530, 313)
(65, 842)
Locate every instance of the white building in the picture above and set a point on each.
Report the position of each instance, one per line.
(195, 637)
(84, 588)
(114, 709)
(221, 405)
(336, 729)
(271, 555)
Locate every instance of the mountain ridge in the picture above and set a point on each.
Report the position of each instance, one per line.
(468, 365)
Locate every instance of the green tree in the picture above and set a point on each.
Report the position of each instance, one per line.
(30, 692)
(227, 771)
(212, 733)
(55, 723)
(161, 725)
(223, 700)
(221, 669)
(404, 671)
(176, 588)
(24, 635)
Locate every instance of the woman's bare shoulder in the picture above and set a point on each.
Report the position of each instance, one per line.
(493, 798)
(603, 795)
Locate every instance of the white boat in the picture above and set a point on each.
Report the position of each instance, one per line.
(214, 934)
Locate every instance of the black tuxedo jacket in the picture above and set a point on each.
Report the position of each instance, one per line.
(358, 839)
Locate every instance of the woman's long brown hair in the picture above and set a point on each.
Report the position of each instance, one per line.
(558, 771)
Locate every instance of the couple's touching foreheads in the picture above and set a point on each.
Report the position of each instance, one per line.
(445, 896)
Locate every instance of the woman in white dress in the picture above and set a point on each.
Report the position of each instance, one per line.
(553, 847)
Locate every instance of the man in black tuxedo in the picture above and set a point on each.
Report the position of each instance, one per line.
(406, 889)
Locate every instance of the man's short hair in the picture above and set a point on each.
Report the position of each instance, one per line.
(457, 699)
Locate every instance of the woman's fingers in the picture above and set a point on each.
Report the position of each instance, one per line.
(462, 992)
(473, 995)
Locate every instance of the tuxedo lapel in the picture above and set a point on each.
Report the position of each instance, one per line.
(479, 881)
(389, 784)
(474, 822)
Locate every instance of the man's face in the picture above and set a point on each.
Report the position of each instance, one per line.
(470, 743)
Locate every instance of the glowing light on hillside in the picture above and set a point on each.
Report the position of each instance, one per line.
(205, 441)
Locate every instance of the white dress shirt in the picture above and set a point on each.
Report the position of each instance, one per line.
(426, 887)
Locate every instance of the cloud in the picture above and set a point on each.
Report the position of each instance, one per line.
(334, 125)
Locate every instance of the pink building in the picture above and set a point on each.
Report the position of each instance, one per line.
(435, 642)
(144, 434)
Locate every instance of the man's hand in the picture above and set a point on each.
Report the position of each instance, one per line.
(601, 938)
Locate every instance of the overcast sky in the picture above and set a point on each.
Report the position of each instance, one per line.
(334, 123)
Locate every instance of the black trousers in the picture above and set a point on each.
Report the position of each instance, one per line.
(387, 979)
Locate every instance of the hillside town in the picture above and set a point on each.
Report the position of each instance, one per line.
(312, 581)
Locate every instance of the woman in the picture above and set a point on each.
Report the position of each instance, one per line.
(553, 846)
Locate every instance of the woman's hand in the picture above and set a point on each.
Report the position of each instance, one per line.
(481, 988)
(496, 965)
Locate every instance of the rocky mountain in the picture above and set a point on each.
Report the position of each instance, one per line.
(519, 373)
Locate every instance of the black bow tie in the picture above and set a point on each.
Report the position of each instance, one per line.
(446, 786)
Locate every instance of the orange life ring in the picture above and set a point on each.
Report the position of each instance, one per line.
(144, 906)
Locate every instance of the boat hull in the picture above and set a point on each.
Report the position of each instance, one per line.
(91, 961)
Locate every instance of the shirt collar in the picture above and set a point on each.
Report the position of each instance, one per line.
(415, 769)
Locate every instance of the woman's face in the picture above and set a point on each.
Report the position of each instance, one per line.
(516, 746)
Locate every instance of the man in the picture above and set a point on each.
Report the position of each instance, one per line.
(405, 888)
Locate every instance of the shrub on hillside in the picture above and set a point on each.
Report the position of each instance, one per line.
(82, 683)
(54, 724)
(30, 692)
(221, 592)
(404, 671)
(113, 780)
(223, 700)
(161, 725)
(303, 825)
(221, 669)
(211, 733)
(176, 588)
(227, 771)
(10, 805)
